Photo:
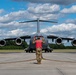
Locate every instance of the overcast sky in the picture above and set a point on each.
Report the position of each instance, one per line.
(14, 11)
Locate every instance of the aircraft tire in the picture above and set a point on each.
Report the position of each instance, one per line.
(26, 51)
(31, 51)
(46, 51)
(50, 51)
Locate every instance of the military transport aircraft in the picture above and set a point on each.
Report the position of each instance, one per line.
(31, 46)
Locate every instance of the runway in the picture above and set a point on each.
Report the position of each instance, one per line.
(25, 64)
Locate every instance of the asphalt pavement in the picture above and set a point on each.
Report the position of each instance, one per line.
(26, 64)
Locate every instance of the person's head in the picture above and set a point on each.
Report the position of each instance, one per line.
(38, 38)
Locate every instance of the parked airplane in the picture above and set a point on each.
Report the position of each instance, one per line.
(31, 46)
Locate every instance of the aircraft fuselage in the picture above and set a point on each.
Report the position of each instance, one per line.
(45, 45)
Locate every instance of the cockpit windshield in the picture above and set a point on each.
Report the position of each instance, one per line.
(38, 37)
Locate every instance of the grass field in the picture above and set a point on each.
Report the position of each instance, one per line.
(55, 50)
(11, 51)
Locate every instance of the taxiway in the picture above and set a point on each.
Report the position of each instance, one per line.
(25, 64)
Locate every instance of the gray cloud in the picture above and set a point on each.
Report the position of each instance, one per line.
(43, 8)
(69, 10)
(14, 16)
(71, 21)
(62, 30)
(61, 2)
(34, 11)
(15, 29)
(12, 33)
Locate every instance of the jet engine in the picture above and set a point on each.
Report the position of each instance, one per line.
(74, 42)
(2, 42)
(58, 41)
(18, 41)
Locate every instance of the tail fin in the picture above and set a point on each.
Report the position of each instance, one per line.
(38, 27)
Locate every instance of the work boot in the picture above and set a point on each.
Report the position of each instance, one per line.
(39, 62)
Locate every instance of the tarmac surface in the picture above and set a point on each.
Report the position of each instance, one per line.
(26, 64)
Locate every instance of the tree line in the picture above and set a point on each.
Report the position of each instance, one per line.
(12, 45)
(62, 46)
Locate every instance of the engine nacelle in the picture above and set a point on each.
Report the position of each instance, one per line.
(74, 42)
(2, 42)
(18, 41)
(58, 41)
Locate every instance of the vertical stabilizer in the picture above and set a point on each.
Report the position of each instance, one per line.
(38, 26)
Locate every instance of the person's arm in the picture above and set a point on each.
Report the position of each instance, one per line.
(34, 40)
(43, 40)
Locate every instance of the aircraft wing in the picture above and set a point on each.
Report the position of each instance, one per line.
(59, 40)
(18, 40)
(22, 37)
(54, 37)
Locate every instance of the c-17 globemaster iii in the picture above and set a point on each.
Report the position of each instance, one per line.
(31, 46)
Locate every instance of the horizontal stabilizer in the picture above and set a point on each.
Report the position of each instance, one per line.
(39, 21)
(48, 21)
(28, 21)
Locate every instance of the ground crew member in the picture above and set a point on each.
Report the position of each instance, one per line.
(38, 43)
